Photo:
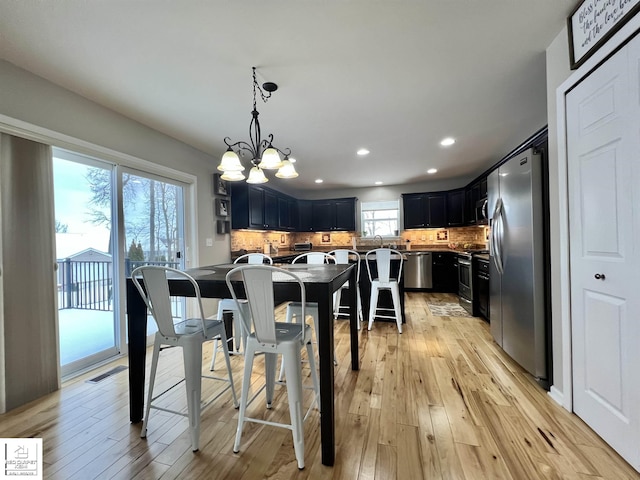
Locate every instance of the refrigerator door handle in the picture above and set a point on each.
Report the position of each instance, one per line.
(496, 237)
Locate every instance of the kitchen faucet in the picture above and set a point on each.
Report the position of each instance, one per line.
(379, 236)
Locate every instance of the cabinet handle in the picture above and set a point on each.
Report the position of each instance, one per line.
(599, 276)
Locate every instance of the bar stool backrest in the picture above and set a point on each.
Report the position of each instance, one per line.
(383, 263)
(343, 257)
(315, 258)
(258, 286)
(254, 259)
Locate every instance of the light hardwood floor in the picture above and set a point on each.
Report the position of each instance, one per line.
(440, 401)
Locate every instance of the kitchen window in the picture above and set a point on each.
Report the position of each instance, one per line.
(380, 218)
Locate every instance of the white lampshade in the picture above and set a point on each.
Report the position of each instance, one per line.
(230, 162)
(256, 175)
(287, 170)
(270, 159)
(232, 176)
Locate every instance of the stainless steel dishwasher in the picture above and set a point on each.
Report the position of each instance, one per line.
(417, 270)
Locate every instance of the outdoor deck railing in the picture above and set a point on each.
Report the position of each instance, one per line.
(89, 284)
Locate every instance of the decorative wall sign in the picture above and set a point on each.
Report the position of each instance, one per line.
(442, 235)
(326, 238)
(593, 22)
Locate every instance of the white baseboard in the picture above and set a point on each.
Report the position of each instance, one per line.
(557, 396)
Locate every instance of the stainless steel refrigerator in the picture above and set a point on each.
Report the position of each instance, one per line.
(516, 279)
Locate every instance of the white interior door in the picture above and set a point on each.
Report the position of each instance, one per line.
(603, 125)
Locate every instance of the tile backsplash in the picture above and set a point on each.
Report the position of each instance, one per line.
(429, 237)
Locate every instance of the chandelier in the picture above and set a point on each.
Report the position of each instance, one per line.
(264, 156)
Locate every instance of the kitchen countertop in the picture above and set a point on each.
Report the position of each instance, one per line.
(284, 253)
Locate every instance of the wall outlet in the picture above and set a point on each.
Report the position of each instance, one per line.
(208, 242)
(423, 238)
(430, 237)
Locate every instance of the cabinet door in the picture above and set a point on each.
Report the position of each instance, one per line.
(445, 272)
(469, 208)
(437, 210)
(414, 211)
(345, 215)
(455, 208)
(482, 188)
(293, 214)
(305, 216)
(270, 210)
(323, 215)
(256, 208)
(284, 213)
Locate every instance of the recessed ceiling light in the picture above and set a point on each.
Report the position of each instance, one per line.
(431, 171)
(378, 183)
(362, 152)
(319, 180)
(447, 142)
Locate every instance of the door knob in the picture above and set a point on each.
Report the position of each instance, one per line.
(599, 276)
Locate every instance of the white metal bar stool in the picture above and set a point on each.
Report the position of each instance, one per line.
(294, 309)
(189, 334)
(384, 281)
(229, 305)
(274, 338)
(344, 256)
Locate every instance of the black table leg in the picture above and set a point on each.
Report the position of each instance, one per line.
(353, 320)
(325, 350)
(137, 332)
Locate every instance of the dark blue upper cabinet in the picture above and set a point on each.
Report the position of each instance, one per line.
(424, 210)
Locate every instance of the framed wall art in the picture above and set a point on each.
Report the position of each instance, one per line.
(222, 207)
(593, 22)
(220, 186)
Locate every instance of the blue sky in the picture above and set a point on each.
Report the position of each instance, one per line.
(72, 196)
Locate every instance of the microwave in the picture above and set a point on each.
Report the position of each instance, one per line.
(481, 212)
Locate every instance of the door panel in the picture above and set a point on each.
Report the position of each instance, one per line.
(603, 122)
(153, 210)
(89, 331)
(603, 333)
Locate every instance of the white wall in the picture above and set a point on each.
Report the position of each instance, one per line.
(32, 99)
(557, 72)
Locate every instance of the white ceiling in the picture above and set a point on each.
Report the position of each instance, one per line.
(392, 76)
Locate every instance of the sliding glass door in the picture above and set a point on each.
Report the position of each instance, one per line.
(88, 326)
(100, 207)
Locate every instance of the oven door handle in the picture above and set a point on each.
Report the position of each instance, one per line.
(496, 237)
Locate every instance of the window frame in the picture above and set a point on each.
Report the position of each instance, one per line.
(380, 206)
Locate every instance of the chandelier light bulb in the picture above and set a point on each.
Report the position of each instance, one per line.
(256, 175)
(230, 162)
(270, 159)
(232, 176)
(287, 170)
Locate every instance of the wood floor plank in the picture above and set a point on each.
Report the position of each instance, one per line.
(441, 401)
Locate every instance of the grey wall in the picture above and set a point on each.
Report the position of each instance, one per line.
(32, 99)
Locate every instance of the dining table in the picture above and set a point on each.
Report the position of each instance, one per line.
(320, 282)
